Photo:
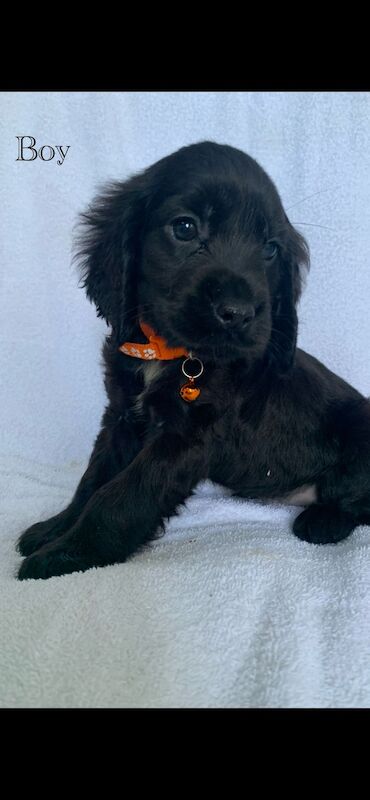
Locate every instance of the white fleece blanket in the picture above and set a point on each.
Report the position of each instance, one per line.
(228, 609)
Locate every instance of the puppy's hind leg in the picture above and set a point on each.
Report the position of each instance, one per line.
(320, 524)
(344, 489)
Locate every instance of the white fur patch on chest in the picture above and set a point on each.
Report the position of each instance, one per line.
(150, 370)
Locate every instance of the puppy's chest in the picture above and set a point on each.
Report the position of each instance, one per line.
(160, 400)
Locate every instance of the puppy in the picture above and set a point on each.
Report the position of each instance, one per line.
(197, 270)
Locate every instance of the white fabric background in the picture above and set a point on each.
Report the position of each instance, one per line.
(315, 146)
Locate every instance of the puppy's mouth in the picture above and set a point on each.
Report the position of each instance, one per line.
(220, 346)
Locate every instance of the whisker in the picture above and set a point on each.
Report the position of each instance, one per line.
(314, 225)
(315, 194)
(144, 307)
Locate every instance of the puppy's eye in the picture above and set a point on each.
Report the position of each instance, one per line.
(185, 229)
(269, 251)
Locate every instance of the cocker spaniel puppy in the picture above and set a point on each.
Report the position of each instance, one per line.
(197, 270)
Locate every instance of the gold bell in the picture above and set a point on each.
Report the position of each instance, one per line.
(189, 392)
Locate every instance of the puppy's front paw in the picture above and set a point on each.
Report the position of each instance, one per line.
(48, 562)
(41, 533)
(321, 524)
(33, 538)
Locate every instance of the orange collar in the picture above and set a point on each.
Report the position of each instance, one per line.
(156, 347)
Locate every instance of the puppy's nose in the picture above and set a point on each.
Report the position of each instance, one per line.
(234, 314)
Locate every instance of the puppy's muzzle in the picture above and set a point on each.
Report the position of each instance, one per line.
(233, 315)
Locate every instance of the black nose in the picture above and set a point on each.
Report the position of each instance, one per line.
(234, 314)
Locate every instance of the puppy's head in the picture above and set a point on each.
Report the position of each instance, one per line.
(199, 247)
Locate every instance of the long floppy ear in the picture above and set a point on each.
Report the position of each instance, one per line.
(109, 249)
(294, 258)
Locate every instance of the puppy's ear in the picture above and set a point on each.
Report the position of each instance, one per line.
(109, 250)
(294, 258)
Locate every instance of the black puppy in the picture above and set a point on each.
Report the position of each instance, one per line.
(196, 268)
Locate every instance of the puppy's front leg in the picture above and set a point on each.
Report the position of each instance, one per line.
(102, 467)
(126, 512)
